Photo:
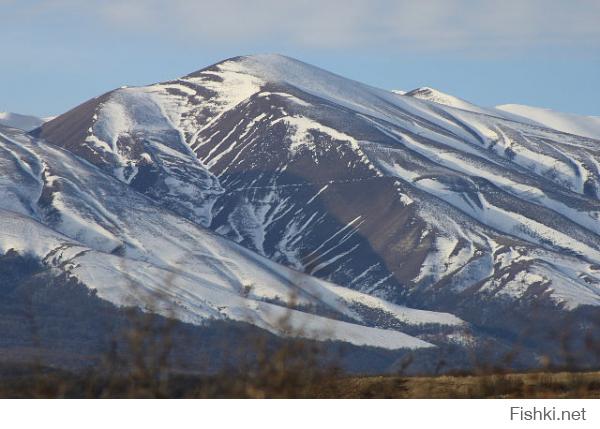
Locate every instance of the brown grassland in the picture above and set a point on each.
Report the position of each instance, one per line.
(524, 385)
(276, 381)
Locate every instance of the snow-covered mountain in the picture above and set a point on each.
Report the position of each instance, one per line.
(21, 122)
(586, 126)
(382, 200)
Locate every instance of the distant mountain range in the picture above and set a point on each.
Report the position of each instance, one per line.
(585, 126)
(399, 221)
(21, 122)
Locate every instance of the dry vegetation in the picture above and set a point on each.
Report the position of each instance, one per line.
(527, 385)
(288, 377)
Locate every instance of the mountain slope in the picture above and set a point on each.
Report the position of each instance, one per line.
(105, 234)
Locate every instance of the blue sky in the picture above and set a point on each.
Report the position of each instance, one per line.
(58, 53)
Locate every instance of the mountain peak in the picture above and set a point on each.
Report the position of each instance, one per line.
(432, 94)
(250, 61)
(425, 90)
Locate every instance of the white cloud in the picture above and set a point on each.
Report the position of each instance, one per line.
(438, 25)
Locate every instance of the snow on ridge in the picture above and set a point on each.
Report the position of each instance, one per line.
(139, 127)
(362, 98)
(431, 94)
(586, 126)
(233, 85)
(124, 112)
(315, 81)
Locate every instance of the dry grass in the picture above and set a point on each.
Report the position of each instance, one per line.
(287, 377)
(526, 385)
